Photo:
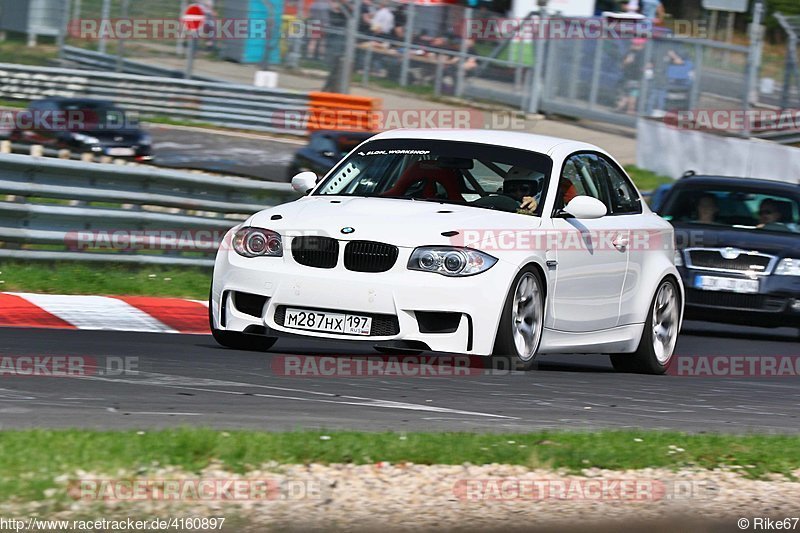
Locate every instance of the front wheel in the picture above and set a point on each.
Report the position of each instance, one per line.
(236, 340)
(522, 321)
(659, 336)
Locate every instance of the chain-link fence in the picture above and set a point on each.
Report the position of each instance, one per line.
(430, 48)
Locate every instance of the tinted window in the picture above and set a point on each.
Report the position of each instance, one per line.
(737, 207)
(624, 198)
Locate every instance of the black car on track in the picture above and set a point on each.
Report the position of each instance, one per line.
(83, 125)
(324, 149)
(738, 248)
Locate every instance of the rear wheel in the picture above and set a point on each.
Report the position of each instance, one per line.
(236, 340)
(659, 336)
(522, 321)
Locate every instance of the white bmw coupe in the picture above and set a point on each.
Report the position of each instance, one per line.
(460, 241)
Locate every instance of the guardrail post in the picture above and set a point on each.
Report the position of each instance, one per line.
(37, 150)
(5, 147)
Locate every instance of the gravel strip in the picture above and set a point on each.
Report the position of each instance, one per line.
(409, 496)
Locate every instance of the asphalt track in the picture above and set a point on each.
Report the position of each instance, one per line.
(235, 153)
(189, 380)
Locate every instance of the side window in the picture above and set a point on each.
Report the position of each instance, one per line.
(624, 198)
(580, 177)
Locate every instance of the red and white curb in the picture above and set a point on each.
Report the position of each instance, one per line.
(113, 313)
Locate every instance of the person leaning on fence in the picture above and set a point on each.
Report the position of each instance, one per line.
(334, 44)
(632, 69)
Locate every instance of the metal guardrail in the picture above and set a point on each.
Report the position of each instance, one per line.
(61, 209)
(83, 58)
(227, 104)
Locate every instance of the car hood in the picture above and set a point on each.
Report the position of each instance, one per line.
(406, 223)
(770, 242)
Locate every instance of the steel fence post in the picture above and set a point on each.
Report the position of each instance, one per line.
(409, 31)
(461, 74)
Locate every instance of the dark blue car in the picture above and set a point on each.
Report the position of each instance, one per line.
(738, 248)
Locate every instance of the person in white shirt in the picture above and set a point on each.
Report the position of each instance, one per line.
(383, 20)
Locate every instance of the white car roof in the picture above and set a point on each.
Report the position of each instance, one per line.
(512, 139)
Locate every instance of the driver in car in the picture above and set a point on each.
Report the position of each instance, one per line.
(524, 186)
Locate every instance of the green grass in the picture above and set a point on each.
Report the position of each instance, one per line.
(646, 180)
(104, 278)
(15, 50)
(31, 459)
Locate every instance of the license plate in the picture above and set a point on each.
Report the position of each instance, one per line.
(718, 283)
(120, 151)
(330, 322)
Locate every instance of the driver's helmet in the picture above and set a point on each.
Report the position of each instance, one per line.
(521, 181)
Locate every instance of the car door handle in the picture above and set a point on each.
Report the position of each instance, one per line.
(621, 242)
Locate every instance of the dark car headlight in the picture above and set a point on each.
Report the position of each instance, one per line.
(788, 267)
(84, 138)
(257, 242)
(450, 260)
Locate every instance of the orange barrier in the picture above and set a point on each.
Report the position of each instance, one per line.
(342, 112)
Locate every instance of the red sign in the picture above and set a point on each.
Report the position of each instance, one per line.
(194, 17)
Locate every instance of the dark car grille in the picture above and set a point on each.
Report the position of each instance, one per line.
(382, 325)
(315, 251)
(732, 300)
(368, 256)
(714, 259)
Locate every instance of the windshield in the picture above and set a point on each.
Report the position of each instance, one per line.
(474, 174)
(736, 208)
(100, 115)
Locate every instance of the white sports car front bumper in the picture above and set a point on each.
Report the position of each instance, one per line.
(398, 292)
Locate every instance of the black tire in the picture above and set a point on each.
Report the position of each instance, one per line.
(236, 340)
(505, 346)
(644, 360)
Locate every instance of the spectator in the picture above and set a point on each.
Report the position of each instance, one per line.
(632, 69)
(334, 44)
(382, 22)
(653, 10)
(319, 14)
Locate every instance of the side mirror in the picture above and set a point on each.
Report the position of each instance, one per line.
(304, 182)
(586, 207)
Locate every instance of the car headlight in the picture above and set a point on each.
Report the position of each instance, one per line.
(450, 260)
(788, 267)
(145, 140)
(678, 258)
(257, 242)
(85, 139)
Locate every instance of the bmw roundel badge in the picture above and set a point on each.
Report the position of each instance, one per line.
(347, 230)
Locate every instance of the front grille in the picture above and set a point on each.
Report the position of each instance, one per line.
(315, 251)
(732, 300)
(368, 256)
(714, 259)
(382, 325)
